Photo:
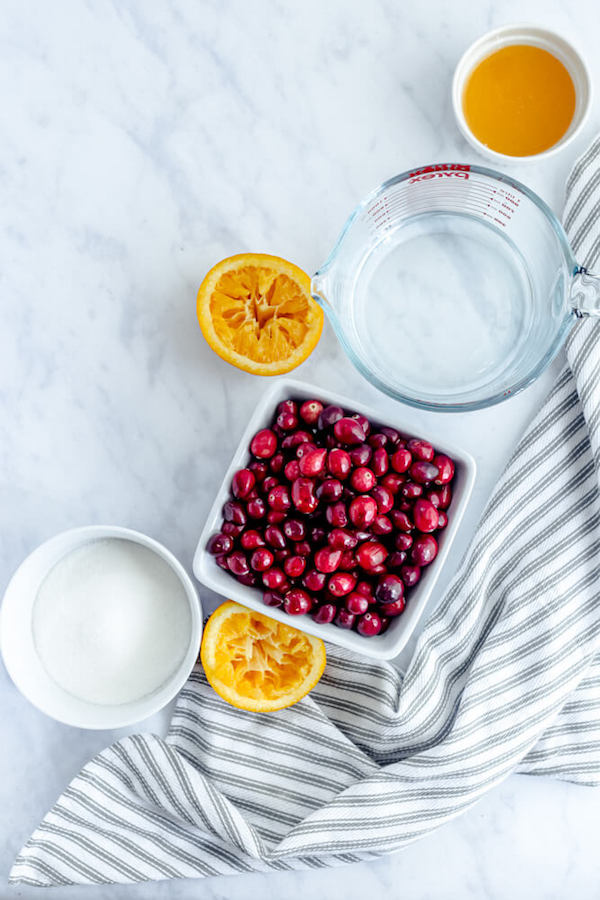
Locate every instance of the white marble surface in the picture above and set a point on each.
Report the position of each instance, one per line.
(139, 143)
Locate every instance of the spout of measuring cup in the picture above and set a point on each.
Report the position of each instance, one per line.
(319, 288)
(585, 293)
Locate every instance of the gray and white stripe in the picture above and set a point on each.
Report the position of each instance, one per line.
(505, 677)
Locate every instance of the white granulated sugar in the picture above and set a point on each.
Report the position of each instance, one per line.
(111, 622)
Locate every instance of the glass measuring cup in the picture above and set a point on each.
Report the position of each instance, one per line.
(452, 287)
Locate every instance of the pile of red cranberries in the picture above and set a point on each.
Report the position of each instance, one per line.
(333, 516)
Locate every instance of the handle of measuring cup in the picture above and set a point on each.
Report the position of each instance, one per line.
(585, 293)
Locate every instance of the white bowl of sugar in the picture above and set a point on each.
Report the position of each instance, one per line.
(100, 627)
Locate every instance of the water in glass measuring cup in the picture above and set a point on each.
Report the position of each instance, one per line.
(444, 301)
(449, 286)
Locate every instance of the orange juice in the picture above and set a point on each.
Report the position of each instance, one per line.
(519, 100)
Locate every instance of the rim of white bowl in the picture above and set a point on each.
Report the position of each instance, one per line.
(67, 708)
(537, 36)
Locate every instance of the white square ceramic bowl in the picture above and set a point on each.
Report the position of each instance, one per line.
(400, 629)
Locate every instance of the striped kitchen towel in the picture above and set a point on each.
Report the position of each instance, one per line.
(505, 677)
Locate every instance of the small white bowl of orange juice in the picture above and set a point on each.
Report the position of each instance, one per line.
(521, 93)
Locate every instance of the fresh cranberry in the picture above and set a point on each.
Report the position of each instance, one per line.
(349, 431)
(410, 575)
(396, 559)
(341, 584)
(314, 581)
(248, 578)
(382, 525)
(251, 539)
(362, 421)
(424, 550)
(356, 603)
(348, 562)
(445, 468)
(325, 613)
(421, 449)
(234, 512)
(403, 541)
(393, 481)
(294, 529)
(391, 434)
(275, 516)
(292, 470)
(279, 498)
(337, 515)
(342, 539)
(313, 463)
(259, 469)
(362, 479)
(237, 563)
(310, 411)
(256, 508)
(304, 449)
(222, 562)
(295, 439)
(269, 483)
(274, 579)
(425, 515)
(380, 462)
(345, 619)
(263, 444)
(377, 440)
(330, 490)
(370, 624)
(287, 421)
(362, 536)
(294, 566)
(261, 559)
(219, 544)
(339, 463)
(303, 548)
(232, 530)
(329, 416)
(440, 496)
(389, 589)
(366, 589)
(297, 602)
(242, 483)
(402, 521)
(327, 559)
(411, 490)
(318, 535)
(442, 519)
(423, 472)
(383, 498)
(303, 495)
(288, 406)
(271, 598)
(274, 536)
(370, 555)
(395, 608)
(276, 463)
(401, 460)
(362, 511)
(361, 455)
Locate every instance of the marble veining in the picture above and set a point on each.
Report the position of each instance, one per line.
(140, 143)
